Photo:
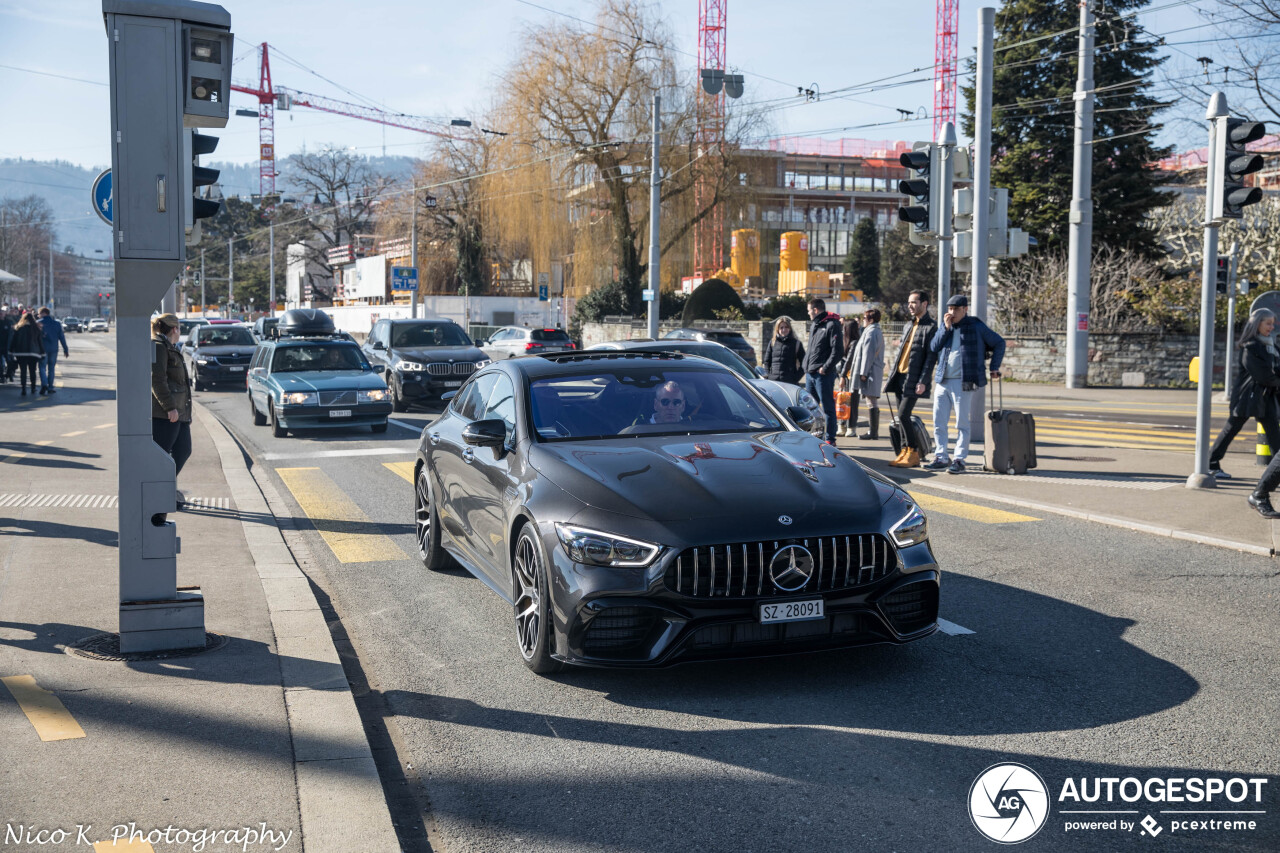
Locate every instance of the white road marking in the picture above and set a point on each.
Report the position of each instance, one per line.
(952, 628)
(333, 454)
(415, 428)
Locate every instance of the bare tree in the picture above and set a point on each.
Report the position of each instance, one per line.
(1027, 294)
(26, 232)
(1181, 229)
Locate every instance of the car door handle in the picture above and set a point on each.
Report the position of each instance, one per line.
(435, 437)
(469, 455)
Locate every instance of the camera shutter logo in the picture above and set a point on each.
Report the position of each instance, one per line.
(1008, 803)
(791, 568)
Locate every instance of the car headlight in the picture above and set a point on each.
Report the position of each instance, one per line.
(410, 366)
(808, 401)
(301, 398)
(912, 528)
(202, 361)
(596, 548)
(484, 362)
(377, 395)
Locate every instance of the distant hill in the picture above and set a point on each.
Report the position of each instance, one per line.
(66, 186)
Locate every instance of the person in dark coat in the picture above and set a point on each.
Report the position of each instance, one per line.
(170, 392)
(1255, 395)
(913, 366)
(27, 346)
(784, 356)
(6, 334)
(821, 362)
(961, 346)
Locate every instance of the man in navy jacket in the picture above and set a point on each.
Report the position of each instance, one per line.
(52, 332)
(826, 346)
(961, 345)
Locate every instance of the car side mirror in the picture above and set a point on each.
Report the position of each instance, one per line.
(760, 372)
(258, 371)
(803, 417)
(487, 433)
(482, 342)
(379, 345)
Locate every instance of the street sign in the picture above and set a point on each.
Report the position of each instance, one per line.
(430, 201)
(101, 195)
(542, 293)
(404, 278)
(647, 293)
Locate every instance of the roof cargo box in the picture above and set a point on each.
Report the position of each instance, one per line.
(305, 322)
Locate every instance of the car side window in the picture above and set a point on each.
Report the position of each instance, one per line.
(502, 403)
(469, 405)
(499, 336)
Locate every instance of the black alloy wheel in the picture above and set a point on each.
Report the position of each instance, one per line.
(398, 403)
(195, 379)
(427, 526)
(276, 430)
(259, 419)
(533, 625)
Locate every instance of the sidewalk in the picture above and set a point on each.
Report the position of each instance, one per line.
(258, 740)
(1142, 490)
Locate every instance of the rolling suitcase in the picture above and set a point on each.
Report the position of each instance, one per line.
(1010, 447)
(917, 437)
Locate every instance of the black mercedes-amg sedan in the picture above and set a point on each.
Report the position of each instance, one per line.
(645, 509)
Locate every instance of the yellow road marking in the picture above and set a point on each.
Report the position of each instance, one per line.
(44, 443)
(12, 456)
(123, 846)
(973, 512)
(401, 469)
(105, 426)
(46, 712)
(1188, 440)
(73, 434)
(338, 519)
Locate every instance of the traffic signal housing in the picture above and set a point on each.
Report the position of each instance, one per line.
(1222, 277)
(1234, 163)
(198, 206)
(926, 161)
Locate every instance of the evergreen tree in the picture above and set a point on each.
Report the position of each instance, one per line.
(905, 267)
(862, 264)
(1032, 130)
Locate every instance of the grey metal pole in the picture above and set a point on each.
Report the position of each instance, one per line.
(271, 267)
(947, 142)
(1080, 246)
(231, 272)
(1200, 478)
(982, 160)
(203, 310)
(1231, 321)
(655, 209)
(49, 300)
(413, 252)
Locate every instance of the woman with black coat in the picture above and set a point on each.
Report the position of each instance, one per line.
(27, 346)
(784, 355)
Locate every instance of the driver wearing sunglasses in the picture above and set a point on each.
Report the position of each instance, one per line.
(668, 404)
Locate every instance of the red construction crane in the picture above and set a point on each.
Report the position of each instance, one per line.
(270, 99)
(708, 233)
(944, 68)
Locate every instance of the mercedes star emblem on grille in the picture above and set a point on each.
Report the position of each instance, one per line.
(791, 568)
(784, 519)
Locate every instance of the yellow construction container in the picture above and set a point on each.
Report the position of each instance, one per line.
(794, 253)
(806, 283)
(744, 253)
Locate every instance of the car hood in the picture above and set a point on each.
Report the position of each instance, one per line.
(429, 354)
(316, 380)
(723, 486)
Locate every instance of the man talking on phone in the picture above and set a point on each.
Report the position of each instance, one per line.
(961, 345)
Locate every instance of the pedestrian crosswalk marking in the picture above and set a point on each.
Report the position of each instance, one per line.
(972, 512)
(51, 719)
(73, 434)
(401, 469)
(948, 627)
(13, 501)
(338, 519)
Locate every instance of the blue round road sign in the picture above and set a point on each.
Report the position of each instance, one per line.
(102, 196)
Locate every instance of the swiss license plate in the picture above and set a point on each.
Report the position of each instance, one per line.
(791, 611)
(452, 383)
(236, 368)
(339, 413)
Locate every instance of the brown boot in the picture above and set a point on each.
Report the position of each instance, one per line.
(899, 460)
(912, 460)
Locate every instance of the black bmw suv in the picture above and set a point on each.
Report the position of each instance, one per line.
(422, 359)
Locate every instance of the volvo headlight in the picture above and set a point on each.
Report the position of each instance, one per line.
(912, 528)
(377, 395)
(596, 548)
(301, 398)
(410, 366)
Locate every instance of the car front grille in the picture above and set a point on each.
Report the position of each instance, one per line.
(338, 398)
(739, 634)
(742, 570)
(616, 631)
(451, 368)
(912, 607)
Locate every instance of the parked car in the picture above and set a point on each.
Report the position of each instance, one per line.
(98, 324)
(264, 327)
(218, 354)
(733, 340)
(782, 394)
(513, 341)
(312, 377)
(421, 359)
(72, 324)
(643, 509)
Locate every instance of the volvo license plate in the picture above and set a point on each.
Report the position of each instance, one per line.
(236, 368)
(791, 611)
(339, 413)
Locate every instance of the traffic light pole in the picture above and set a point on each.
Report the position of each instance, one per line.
(413, 251)
(982, 168)
(1081, 216)
(945, 178)
(1234, 253)
(1201, 478)
(271, 266)
(655, 210)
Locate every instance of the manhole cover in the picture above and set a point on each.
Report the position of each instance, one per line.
(1085, 458)
(107, 647)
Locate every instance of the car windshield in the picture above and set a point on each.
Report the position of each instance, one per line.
(330, 356)
(550, 336)
(644, 399)
(410, 335)
(727, 338)
(225, 337)
(185, 326)
(715, 352)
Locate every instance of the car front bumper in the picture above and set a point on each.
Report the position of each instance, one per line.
(319, 417)
(216, 373)
(424, 386)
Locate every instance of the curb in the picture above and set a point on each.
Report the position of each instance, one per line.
(340, 797)
(1109, 520)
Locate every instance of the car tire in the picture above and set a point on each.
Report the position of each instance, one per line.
(398, 402)
(276, 430)
(427, 526)
(531, 610)
(259, 419)
(195, 380)
(382, 427)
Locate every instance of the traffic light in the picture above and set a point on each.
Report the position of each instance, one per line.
(1233, 163)
(925, 160)
(197, 205)
(1223, 277)
(962, 228)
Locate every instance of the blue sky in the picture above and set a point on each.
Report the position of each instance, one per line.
(445, 59)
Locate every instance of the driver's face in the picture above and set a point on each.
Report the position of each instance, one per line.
(668, 405)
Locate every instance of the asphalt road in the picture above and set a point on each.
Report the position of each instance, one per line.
(1095, 652)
